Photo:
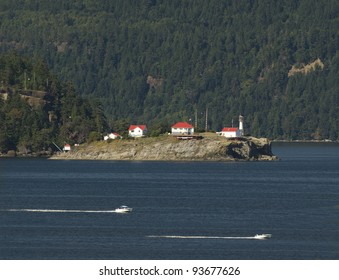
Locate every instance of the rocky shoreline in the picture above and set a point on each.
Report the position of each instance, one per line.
(168, 148)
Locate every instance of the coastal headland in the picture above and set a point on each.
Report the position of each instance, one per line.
(209, 148)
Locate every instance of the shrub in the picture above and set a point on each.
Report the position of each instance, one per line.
(94, 136)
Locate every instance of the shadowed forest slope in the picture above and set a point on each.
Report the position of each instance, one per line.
(158, 61)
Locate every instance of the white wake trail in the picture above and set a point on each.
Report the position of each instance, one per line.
(263, 236)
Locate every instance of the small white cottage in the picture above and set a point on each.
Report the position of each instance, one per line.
(137, 130)
(112, 135)
(230, 132)
(182, 128)
(67, 148)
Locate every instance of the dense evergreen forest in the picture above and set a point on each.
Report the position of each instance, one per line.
(162, 61)
(36, 109)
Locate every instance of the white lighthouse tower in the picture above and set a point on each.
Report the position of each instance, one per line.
(241, 125)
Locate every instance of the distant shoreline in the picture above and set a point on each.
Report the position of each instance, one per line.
(59, 155)
(304, 141)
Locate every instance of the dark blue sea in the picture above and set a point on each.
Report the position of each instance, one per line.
(44, 208)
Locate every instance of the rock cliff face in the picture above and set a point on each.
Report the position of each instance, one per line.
(169, 148)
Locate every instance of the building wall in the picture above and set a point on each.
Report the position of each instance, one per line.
(230, 134)
(137, 132)
(180, 131)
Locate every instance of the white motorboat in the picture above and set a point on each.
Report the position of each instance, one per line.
(263, 236)
(123, 209)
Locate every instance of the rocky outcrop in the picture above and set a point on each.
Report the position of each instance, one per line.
(251, 149)
(169, 148)
(305, 69)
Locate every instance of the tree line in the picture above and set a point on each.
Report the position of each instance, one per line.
(37, 110)
(158, 61)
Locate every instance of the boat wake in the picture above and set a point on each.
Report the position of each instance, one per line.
(61, 211)
(257, 236)
(122, 209)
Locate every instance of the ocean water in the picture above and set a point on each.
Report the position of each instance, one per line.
(62, 209)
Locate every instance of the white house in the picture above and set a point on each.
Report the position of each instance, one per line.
(182, 128)
(136, 130)
(230, 132)
(112, 135)
(67, 148)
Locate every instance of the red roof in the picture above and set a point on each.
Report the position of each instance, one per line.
(134, 126)
(229, 129)
(182, 125)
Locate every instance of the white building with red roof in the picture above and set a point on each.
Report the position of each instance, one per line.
(230, 132)
(67, 148)
(112, 135)
(137, 130)
(182, 128)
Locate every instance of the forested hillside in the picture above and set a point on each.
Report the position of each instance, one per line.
(160, 61)
(36, 109)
